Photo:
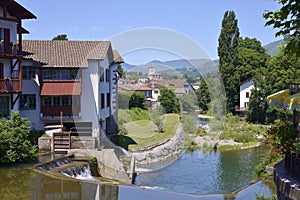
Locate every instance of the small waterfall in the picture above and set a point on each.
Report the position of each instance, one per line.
(54, 164)
(82, 172)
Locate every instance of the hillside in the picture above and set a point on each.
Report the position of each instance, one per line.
(273, 48)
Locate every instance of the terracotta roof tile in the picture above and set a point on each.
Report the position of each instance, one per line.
(64, 53)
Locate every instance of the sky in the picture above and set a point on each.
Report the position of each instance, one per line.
(196, 20)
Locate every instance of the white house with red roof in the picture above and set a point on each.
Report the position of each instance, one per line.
(73, 82)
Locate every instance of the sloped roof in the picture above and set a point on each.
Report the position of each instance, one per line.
(65, 53)
(15, 9)
(117, 57)
(135, 87)
(171, 83)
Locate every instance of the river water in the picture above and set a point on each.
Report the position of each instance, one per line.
(195, 175)
(213, 172)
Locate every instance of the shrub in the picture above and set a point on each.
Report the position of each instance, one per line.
(15, 144)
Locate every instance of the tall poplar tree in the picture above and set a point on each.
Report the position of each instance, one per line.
(228, 58)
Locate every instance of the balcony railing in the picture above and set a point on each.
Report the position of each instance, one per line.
(10, 85)
(12, 49)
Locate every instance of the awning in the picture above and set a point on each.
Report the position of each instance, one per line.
(292, 102)
(278, 97)
(61, 89)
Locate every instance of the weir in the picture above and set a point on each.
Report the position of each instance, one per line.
(82, 172)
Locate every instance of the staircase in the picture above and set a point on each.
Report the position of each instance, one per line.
(61, 142)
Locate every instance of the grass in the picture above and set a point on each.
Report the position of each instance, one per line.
(145, 134)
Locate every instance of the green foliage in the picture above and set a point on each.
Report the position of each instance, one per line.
(188, 102)
(228, 57)
(123, 99)
(137, 100)
(268, 160)
(139, 114)
(157, 117)
(287, 19)
(60, 37)
(239, 130)
(15, 144)
(169, 101)
(203, 95)
(189, 127)
(281, 136)
(263, 197)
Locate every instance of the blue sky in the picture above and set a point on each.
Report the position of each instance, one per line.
(198, 20)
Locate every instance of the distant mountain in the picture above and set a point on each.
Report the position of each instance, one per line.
(175, 66)
(273, 48)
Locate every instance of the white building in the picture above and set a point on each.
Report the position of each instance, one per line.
(245, 93)
(72, 81)
(11, 31)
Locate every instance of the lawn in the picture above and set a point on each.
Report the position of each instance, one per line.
(144, 132)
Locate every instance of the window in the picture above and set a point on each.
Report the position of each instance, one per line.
(56, 74)
(107, 75)
(65, 101)
(28, 72)
(102, 100)
(47, 101)
(108, 100)
(247, 94)
(65, 75)
(101, 74)
(28, 102)
(56, 101)
(75, 74)
(46, 74)
(61, 100)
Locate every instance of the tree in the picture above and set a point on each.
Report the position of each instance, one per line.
(137, 100)
(203, 95)
(287, 19)
(60, 37)
(251, 57)
(169, 101)
(15, 144)
(188, 102)
(123, 99)
(157, 117)
(228, 53)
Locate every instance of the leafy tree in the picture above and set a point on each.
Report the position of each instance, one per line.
(169, 101)
(120, 71)
(15, 144)
(228, 52)
(251, 57)
(60, 37)
(287, 19)
(123, 99)
(203, 95)
(137, 100)
(188, 102)
(158, 118)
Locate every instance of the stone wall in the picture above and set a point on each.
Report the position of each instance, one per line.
(45, 143)
(167, 150)
(287, 185)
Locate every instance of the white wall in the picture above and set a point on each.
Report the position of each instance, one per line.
(244, 88)
(31, 87)
(13, 29)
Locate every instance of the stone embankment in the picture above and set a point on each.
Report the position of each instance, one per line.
(170, 149)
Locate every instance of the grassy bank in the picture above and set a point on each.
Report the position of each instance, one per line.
(145, 132)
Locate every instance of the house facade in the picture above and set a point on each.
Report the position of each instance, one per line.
(245, 93)
(70, 82)
(11, 31)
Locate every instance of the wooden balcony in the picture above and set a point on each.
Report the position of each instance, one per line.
(9, 51)
(53, 112)
(10, 86)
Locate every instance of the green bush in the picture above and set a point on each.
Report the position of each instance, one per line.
(15, 144)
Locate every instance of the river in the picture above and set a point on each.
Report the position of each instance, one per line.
(195, 175)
